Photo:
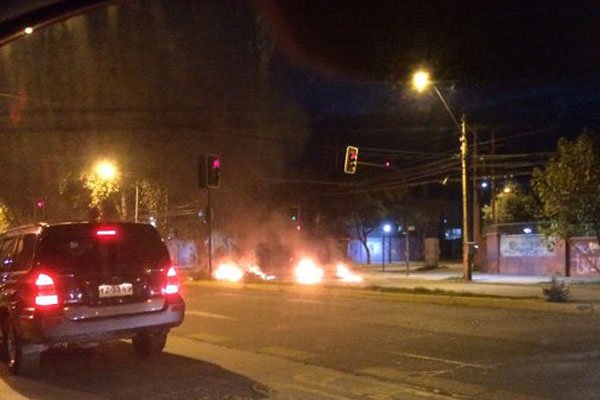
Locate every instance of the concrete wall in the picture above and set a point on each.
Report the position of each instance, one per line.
(393, 254)
(524, 254)
(183, 252)
(584, 257)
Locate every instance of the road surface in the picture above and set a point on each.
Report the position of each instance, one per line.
(252, 344)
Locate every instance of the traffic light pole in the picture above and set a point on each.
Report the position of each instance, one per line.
(467, 273)
(209, 216)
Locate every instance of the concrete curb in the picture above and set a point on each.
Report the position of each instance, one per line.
(470, 300)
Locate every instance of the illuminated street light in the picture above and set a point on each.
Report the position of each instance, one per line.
(386, 229)
(28, 30)
(106, 170)
(420, 81)
(507, 189)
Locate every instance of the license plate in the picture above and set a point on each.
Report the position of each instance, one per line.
(124, 289)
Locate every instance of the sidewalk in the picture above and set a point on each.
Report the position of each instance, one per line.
(449, 278)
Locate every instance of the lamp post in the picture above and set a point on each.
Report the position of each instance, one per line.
(421, 80)
(106, 171)
(386, 229)
(137, 202)
(102, 182)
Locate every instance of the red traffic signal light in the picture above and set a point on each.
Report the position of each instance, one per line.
(40, 203)
(209, 173)
(213, 171)
(351, 160)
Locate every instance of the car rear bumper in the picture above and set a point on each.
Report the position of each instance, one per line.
(51, 329)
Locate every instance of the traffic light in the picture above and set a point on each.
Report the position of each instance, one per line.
(213, 171)
(209, 174)
(39, 208)
(295, 214)
(351, 160)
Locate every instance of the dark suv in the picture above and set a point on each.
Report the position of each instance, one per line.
(84, 283)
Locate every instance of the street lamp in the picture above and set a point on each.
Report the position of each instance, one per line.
(106, 170)
(385, 229)
(101, 180)
(421, 81)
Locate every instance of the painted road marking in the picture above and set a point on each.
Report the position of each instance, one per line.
(207, 315)
(208, 337)
(244, 295)
(287, 353)
(291, 300)
(443, 360)
(307, 301)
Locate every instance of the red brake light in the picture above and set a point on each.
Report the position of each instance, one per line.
(44, 280)
(172, 286)
(106, 232)
(46, 291)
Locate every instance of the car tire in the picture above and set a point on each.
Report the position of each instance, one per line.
(148, 344)
(20, 358)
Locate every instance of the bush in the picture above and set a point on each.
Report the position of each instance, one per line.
(557, 291)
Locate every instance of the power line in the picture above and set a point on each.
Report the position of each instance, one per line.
(519, 135)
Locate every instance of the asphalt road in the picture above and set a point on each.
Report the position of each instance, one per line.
(252, 344)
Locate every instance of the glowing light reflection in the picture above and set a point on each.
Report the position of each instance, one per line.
(308, 273)
(255, 269)
(228, 272)
(346, 275)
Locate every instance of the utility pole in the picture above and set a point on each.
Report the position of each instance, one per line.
(476, 210)
(390, 249)
(467, 276)
(493, 185)
(209, 216)
(137, 202)
(407, 251)
(166, 209)
(209, 178)
(382, 252)
(420, 82)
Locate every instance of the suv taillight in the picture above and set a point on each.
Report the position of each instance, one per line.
(46, 295)
(172, 286)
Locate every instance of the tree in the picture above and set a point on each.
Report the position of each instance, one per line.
(153, 199)
(89, 194)
(99, 189)
(4, 217)
(511, 205)
(365, 212)
(569, 187)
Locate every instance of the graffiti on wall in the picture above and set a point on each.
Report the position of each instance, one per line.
(585, 256)
(525, 246)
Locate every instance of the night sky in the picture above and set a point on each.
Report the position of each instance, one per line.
(281, 87)
(470, 41)
(526, 70)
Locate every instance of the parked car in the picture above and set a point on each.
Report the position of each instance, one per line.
(82, 284)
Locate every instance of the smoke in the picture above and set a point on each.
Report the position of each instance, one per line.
(152, 92)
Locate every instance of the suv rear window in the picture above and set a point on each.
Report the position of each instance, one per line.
(102, 248)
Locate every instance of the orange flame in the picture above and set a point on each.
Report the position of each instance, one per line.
(228, 272)
(346, 275)
(308, 273)
(255, 269)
